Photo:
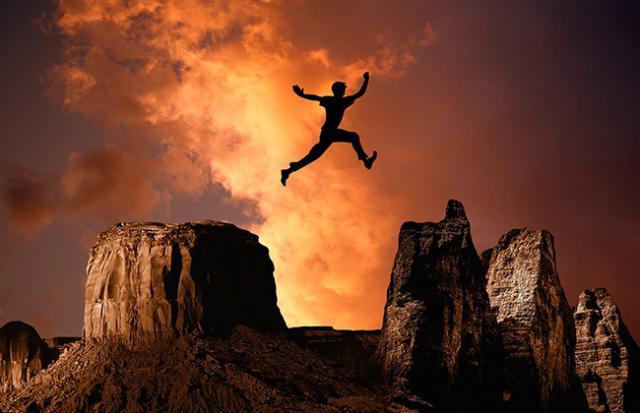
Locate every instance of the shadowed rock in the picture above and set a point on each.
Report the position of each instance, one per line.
(23, 354)
(352, 349)
(534, 321)
(148, 281)
(439, 339)
(607, 357)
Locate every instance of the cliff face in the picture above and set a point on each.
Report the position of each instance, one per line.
(23, 354)
(534, 321)
(607, 357)
(148, 281)
(439, 339)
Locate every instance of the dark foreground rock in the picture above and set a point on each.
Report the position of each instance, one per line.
(23, 354)
(354, 350)
(607, 357)
(534, 320)
(248, 371)
(148, 281)
(439, 340)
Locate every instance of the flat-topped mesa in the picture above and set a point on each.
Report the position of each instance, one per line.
(535, 321)
(23, 354)
(607, 357)
(149, 281)
(439, 338)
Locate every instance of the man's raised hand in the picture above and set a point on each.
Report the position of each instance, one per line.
(298, 90)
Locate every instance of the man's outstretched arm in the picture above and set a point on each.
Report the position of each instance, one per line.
(363, 88)
(300, 92)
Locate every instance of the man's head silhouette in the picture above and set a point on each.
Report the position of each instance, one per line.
(338, 89)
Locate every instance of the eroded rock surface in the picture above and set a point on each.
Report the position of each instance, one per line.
(23, 354)
(607, 357)
(535, 321)
(148, 281)
(439, 338)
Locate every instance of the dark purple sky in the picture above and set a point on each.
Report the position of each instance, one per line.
(528, 112)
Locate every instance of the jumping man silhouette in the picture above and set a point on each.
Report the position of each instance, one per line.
(334, 106)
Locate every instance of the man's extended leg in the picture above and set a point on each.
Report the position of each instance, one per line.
(316, 151)
(354, 139)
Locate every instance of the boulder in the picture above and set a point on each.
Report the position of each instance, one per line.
(149, 281)
(535, 322)
(23, 354)
(607, 357)
(439, 341)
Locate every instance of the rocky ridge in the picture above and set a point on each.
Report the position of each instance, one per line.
(23, 354)
(248, 371)
(608, 359)
(439, 338)
(535, 321)
(184, 318)
(148, 281)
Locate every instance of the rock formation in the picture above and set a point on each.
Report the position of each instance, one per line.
(535, 321)
(148, 281)
(23, 354)
(192, 308)
(439, 338)
(607, 357)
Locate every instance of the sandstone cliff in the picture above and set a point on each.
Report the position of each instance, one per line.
(534, 321)
(439, 339)
(148, 281)
(23, 354)
(607, 357)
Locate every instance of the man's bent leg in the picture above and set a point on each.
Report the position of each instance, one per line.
(316, 151)
(354, 139)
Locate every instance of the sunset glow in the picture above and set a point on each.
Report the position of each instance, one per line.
(186, 102)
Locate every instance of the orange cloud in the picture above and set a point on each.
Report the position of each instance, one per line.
(26, 201)
(208, 85)
(106, 182)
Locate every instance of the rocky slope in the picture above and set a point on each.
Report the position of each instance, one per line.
(535, 321)
(607, 357)
(248, 371)
(147, 281)
(439, 339)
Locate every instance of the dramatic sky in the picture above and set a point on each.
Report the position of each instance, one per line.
(526, 111)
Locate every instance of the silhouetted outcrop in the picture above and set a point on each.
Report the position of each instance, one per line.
(23, 354)
(148, 281)
(607, 357)
(534, 320)
(439, 338)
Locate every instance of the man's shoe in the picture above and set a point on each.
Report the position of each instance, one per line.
(284, 175)
(368, 163)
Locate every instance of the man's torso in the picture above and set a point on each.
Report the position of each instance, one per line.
(334, 108)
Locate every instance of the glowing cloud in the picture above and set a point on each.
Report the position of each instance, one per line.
(207, 85)
(26, 201)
